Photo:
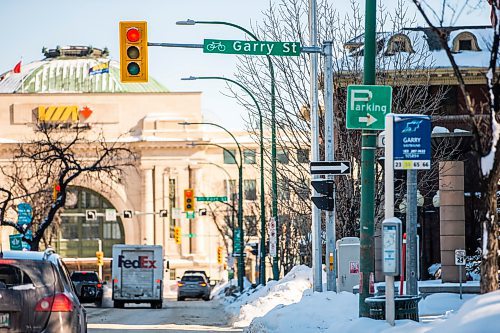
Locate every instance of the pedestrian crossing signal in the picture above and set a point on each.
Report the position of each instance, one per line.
(177, 235)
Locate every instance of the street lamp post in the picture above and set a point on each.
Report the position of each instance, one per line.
(274, 184)
(262, 273)
(241, 265)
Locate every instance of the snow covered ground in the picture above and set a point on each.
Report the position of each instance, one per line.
(290, 306)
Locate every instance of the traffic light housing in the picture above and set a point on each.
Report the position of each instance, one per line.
(133, 51)
(220, 255)
(55, 191)
(177, 235)
(324, 187)
(100, 258)
(189, 200)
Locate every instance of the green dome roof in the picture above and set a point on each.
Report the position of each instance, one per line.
(66, 70)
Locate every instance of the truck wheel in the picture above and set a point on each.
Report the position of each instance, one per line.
(98, 303)
(156, 305)
(179, 298)
(118, 304)
(206, 298)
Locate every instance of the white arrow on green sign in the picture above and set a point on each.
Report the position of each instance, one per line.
(251, 47)
(367, 106)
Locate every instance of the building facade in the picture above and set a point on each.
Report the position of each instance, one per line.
(63, 89)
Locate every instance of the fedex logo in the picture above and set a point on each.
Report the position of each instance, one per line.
(141, 262)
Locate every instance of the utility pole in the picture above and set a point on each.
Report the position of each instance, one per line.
(368, 148)
(316, 213)
(331, 272)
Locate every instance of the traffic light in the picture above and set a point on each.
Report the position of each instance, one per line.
(220, 254)
(325, 187)
(100, 258)
(133, 51)
(189, 200)
(55, 191)
(177, 235)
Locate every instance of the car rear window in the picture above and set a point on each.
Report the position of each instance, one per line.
(16, 273)
(84, 277)
(192, 278)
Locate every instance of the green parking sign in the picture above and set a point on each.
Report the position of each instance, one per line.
(367, 106)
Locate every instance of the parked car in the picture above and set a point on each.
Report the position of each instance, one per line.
(88, 286)
(193, 286)
(36, 294)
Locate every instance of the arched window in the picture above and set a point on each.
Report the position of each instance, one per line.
(465, 41)
(78, 237)
(399, 43)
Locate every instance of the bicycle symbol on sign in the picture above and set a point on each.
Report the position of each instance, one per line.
(216, 45)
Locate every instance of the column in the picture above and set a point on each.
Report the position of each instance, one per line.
(158, 205)
(147, 207)
(452, 217)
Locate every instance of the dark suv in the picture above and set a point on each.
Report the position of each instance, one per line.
(36, 294)
(88, 287)
(193, 285)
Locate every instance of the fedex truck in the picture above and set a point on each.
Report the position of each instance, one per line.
(137, 275)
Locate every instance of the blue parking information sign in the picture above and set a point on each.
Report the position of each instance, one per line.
(412, 142)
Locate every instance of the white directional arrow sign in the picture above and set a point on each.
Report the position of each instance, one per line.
(331, 168)
(369, 119)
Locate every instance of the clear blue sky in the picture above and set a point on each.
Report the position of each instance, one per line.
(28, 25)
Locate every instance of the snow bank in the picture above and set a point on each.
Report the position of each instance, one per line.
(258, 302)
(288, 306)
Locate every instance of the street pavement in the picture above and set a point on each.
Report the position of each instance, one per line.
(186, 316)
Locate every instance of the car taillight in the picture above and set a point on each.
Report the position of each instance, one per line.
(180, 284)
(99, 285)
(203, 284)
(58, 303)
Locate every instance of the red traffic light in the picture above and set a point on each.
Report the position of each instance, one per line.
(133, 35)
(57, 187)
(188, 193)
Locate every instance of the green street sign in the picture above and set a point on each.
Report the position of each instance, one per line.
(210, 199)
(237, 241)
(367, 106)
(251, 47)
(190, 215)
(190, 235)
(16, 242)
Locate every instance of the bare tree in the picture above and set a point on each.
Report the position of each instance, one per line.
(286, 20)
(484, 121)
(57, 157)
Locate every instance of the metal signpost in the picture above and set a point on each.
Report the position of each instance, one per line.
(251, 47)
(367, 106)
(460, 261)
(411, 151)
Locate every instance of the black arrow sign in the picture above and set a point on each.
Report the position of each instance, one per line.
(331, 168)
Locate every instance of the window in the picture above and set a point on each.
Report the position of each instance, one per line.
(228, 158)
(465, 41)
(171, 205)
(172, 274)
(282, 156)
(251, 225)
(303, 155)
(250, 189)
(399, 43)
(465, 45)
(232, 189)
(249, 156)
(303, 191)
(283, 189)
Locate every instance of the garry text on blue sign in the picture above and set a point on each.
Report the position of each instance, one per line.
(412, 142)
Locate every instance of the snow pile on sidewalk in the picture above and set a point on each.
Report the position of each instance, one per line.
(275, 294)
(329, 312)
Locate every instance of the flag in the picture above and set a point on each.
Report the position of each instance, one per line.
(17, 68)
(99, 68)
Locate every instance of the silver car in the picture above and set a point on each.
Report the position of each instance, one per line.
(193, 286)
(36, 294)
